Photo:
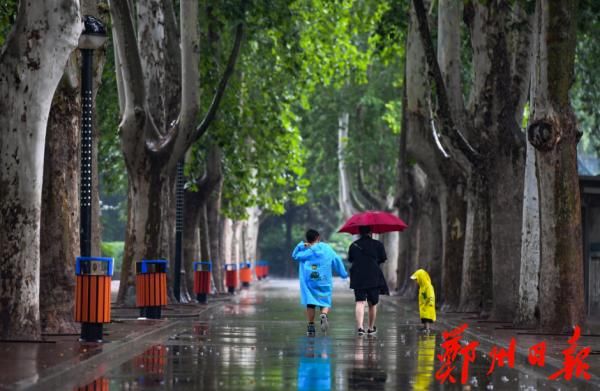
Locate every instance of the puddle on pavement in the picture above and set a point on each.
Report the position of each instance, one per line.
(247, 346)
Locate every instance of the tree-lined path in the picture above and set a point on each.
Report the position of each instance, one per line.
(257, 341)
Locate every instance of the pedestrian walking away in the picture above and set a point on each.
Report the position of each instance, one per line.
(366, 278)
(426, 298)
(316, 263)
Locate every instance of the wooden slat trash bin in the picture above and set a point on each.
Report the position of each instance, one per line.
(100, 384)
(245, 274)
(151, 287)
(92, 295)
(231, 277)
(202, 272)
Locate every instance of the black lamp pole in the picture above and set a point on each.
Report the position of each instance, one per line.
(178, 231)
(85, 232)
(92, 37)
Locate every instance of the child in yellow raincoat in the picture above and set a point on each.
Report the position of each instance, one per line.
(426, 297)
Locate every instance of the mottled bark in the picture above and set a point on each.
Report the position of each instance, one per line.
(475, 295)
(344, 192)
(155, 134)
(442, 171)
(553, 132)
(213, 211)
(59, 226)
(528, 310)
(251, 235)
(205, 250)
(31, 65)
(404, 193)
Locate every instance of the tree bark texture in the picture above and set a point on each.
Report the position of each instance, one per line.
(213, 212)
(553, 132)
(528, 311)
(489, 145)
(443, 173)
(31, 65)
(159, 114)
(345, 198)
(59, 226)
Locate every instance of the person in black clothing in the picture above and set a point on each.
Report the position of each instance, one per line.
(366, 277)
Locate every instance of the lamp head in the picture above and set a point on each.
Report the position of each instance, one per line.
(93, 35)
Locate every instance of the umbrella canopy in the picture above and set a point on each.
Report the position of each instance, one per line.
(379, 222)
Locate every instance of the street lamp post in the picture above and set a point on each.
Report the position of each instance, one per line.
(92, 37)
(178, 231)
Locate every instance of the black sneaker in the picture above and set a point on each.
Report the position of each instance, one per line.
(324, 323)
(361, 331)
(372, 332)
(310, 330)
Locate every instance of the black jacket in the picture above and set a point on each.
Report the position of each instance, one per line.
(365, 255)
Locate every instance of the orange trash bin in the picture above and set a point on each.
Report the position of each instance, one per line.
(202, 272)
(151, 287)
(245, 274)
(231, 277)
(92, 295)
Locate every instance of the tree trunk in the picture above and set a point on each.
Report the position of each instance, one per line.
(251, 237)
(205, 249)
(453, 212)
(213, 211)
(159, 114)
(528, 311)
(475, 293)
(345, 200)
(31, 65)
(390, 267)
(59, 227)
(226, 234)
(289, 242)
(405, 193)
(191, 239)
(143, 225)
(553, 132)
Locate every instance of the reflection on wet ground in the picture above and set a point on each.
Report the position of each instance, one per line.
(259, 342)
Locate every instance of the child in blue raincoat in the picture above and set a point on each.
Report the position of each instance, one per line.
(317, 261)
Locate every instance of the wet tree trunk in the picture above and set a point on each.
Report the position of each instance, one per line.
(553, 132)
(251, 237)
(452, 191)
(475, 296)
(446, 177)
(404, 196)
(59, 226)
(191, 238)
(345, 198)
(528, 311)
(213, 211)
(159, 74)
(205, 251)
(31, 65)
(289, 242)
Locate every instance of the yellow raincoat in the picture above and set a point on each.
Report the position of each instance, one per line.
(426, 294)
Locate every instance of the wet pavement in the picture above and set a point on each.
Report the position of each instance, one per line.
(257, 341)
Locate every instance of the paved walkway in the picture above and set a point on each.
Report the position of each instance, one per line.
(257, 341)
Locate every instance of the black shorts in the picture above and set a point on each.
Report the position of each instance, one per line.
(426, 320)
(370, 294)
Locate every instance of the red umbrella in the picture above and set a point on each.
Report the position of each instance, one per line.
(379, 222)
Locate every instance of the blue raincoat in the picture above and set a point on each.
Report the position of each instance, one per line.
(316, 264)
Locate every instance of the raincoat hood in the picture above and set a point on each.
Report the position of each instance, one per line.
(422, 278)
